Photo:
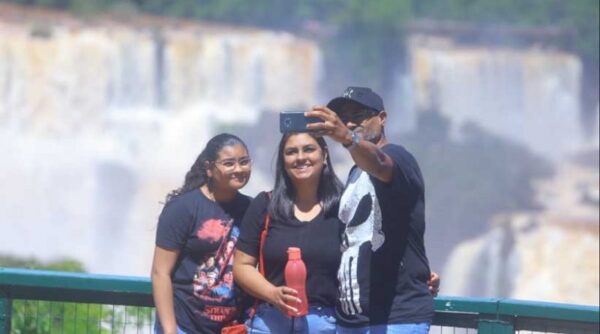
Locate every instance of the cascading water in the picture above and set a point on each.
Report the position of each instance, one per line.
(549, 255)
(99, 120)
(528, 95)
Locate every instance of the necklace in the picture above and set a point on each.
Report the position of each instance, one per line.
(209, 194)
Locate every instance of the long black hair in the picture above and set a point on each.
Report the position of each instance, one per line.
(197, 176)
(329, 190)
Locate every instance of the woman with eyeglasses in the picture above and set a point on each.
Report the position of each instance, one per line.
(197, 231)
(303, 213)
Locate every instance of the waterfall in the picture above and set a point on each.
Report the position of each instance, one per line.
(527, 95)
(551, 255)
(99, 120)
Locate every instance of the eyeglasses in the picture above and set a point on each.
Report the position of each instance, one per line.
(229, 164)
(358, 116)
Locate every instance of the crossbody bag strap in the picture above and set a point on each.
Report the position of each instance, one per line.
(261, 260)
(263, 237)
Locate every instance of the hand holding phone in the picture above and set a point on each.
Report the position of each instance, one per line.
(295, 121)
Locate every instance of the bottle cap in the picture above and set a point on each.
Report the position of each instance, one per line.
(294, 253)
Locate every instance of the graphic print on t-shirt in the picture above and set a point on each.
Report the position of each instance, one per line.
(213, 280)
(360, 212)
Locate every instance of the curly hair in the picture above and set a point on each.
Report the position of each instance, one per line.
(197, 176)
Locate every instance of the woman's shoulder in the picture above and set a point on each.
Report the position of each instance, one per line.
(242, 199)
(240, 204)
(259, 203)
(189, 202)
(263, 196)
(192, 195)
(180, 208)
(184, 200)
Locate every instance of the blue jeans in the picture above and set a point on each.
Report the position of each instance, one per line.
(419, 328)
(269, 319)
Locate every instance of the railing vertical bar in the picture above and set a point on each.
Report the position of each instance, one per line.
(137, 320)
(62, 319)
(148, 318)
(76, 319)
(87, 319)
(37, 316)
(53, 312)
(125, 321)
(112, 320)
(100, 319)
(5, 314)
(50, 316)
(151, 315)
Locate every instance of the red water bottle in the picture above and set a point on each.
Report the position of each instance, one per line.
(295, 278)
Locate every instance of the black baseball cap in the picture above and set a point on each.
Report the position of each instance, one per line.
(364, 96)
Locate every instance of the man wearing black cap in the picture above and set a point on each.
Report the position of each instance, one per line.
(384, 271)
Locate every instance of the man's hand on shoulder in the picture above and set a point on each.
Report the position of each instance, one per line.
(434, 284)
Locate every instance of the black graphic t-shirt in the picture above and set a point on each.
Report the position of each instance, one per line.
(384, 269)
(319, 240)
(205, 233)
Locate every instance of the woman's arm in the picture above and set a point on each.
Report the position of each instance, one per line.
(246, 275)
(162, 287)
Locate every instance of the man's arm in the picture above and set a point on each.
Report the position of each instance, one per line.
(368, 156)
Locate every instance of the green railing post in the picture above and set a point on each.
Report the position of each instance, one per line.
(494, 326)
(5, 313)
(495, 323)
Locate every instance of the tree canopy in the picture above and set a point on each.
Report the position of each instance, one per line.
(366, 36)
(581, 16)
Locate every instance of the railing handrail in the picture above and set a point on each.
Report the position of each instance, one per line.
(131, 290)
(71, 280)
(519, 308)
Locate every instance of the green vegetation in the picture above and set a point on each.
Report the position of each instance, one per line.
(365, 31)
(68, 265)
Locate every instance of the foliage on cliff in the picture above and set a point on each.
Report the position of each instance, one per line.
(371, 25)
(32, 263)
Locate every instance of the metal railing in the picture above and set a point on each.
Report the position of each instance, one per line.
(59, 302)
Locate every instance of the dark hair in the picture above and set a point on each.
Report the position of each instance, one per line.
(196, 176)
(329, 190)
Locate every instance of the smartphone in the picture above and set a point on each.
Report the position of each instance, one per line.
(295, 121)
